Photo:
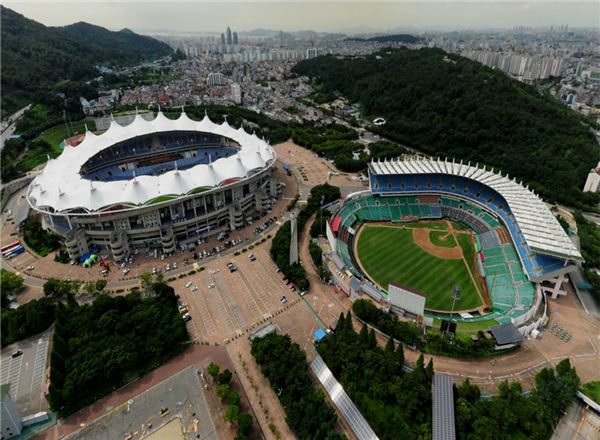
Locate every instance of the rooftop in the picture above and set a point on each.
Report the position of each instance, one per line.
(61, 187)
(506, 334)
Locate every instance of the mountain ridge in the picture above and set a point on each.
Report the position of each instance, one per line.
(35, 56)
(449, 106)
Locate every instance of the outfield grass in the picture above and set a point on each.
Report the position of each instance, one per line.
(389, 254)
(442, 225)
(436, 238)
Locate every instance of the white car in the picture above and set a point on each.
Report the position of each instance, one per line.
(211, 286)
(168, 268)
(214, 271)
(29, 268)
(125, 271)
(154, 271)
(188, 284)
(174, 265)
(194, 289)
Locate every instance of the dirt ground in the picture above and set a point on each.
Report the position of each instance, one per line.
(421, 238)
(311, 170)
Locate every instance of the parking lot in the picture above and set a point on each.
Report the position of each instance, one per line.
(26, 372)
(224, 304)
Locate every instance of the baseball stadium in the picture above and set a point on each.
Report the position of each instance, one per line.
(431, 227)
(155, 184)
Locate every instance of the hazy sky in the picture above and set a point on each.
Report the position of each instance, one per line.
(203, 16)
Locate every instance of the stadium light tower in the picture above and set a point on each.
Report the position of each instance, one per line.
(321, 213)
(455, 297)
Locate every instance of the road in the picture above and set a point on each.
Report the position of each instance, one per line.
(6, 133)
(578, 423)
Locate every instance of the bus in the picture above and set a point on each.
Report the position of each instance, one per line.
(8, 246)
(14, 251)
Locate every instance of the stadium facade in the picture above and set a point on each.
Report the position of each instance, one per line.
(159, 184)
(520, 243)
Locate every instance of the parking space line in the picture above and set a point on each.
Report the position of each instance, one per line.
(205, 315)
(218, 302)
(226, 295)
(13, 376)
(39, 365)
(251, 298)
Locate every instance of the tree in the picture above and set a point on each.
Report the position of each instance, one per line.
(100, 285)
(232, 413)
(89, 287)
(146, 279)
(213, 370)
(97, 346)
(57, 288)
(10, 282)
(244, 423)
(223, 391)
(225, 377)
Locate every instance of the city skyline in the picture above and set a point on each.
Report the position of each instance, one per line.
(347, 17)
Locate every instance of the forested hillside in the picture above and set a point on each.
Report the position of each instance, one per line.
(122, 47)
(34, 57)
(448, 106)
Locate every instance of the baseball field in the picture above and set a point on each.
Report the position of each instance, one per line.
(431, 260)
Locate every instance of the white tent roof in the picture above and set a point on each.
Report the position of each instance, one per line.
(540, 229)
(61, 187)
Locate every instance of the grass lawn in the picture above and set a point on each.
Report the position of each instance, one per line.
(469, 327)
(54, 136)
(442, 239)
(592, 390)
(390, 254)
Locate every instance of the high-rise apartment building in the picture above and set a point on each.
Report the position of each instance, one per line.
(228, 34)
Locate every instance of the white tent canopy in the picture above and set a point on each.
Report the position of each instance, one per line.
(61, 187)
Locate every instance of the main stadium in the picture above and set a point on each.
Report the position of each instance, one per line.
(155, 184)
(429, 227)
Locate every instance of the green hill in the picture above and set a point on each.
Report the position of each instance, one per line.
(446, 105)
(122, 47)
(34, 56)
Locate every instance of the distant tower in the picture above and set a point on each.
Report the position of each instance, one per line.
(235, 38)
(222, 39)
(228, 33)
(294, 241)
